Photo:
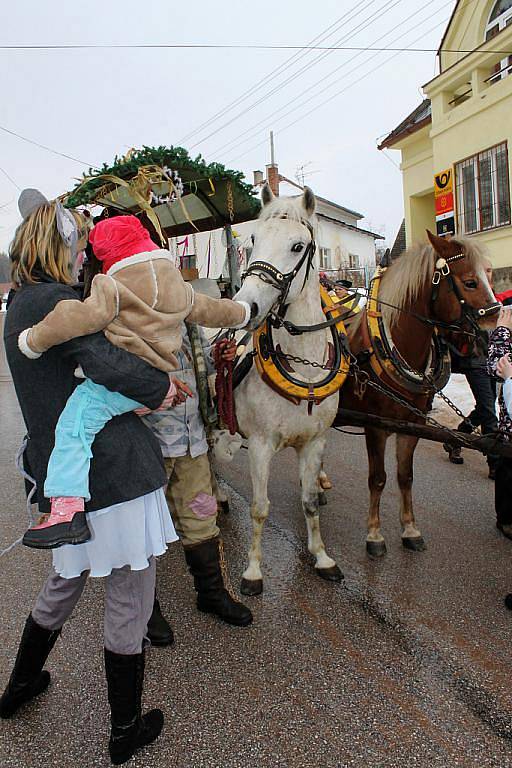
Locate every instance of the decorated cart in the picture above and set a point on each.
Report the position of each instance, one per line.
(176, 197)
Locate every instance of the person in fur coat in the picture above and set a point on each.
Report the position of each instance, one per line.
(140, 302)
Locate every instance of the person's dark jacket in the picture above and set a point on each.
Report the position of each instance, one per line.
(127, 461)
(476, 360)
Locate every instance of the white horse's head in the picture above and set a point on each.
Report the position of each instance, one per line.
(282, 243)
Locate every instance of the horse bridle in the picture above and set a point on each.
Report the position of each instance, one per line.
(282, 281)
(472, 315)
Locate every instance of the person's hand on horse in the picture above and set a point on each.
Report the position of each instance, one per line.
(504, 368)
(228, 349)
(505, 318)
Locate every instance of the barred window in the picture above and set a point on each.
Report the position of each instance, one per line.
(483, 191)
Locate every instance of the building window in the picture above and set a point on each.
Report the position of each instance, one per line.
(353, 260)
(325, 258)
(500, 18)
(483, 191)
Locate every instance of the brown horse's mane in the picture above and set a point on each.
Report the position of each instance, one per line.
(404, 280)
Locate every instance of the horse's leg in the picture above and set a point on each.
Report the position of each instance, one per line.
(323, 479)
(310, 462)
(218, 492)
(411, 536)
(260, 453)
(376, 447)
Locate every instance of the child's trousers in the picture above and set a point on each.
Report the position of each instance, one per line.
(89, 408)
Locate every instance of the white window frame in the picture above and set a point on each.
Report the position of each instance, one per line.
(325, 255)
(354, 261)
(474, 160)
(503, 21)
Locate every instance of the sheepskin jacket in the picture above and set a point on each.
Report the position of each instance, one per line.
(140, 304)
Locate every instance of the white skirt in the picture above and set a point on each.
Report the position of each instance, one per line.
(123, 534)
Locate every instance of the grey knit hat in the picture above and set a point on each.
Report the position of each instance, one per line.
(29, 201)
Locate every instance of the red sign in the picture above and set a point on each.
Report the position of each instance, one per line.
(444, 203)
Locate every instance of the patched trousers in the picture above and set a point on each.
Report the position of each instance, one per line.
(191, 502)
(129, 597)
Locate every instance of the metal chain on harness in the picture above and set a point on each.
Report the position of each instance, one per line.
(364, 380)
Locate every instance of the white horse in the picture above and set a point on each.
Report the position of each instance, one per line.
(285, 231)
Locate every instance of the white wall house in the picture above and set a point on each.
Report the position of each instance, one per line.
(341, 243)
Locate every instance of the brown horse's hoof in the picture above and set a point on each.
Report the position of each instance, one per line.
(325, 483)
(416, 544)
(332, 574)
(224, 507)
(376, 548)
(322, 499)
(251, 587)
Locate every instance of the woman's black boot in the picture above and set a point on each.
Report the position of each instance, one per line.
(28, 679)
(159, 632)
(130, 729)
(214, 595)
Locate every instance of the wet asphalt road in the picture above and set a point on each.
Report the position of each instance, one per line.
(407, 663)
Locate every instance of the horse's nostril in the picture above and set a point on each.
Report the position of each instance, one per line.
(254, 310)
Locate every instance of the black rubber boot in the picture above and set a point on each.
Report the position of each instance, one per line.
(28, 679)
(130, 729)
(207, 565)
(454, 453)
(75, 532)
(160, 632)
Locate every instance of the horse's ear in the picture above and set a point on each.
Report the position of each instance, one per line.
(266, 194)
(309, 201)
(443, 246)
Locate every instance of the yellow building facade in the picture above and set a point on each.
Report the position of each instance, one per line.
(462, 134)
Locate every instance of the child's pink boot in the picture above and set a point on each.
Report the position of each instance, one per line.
(67, 524)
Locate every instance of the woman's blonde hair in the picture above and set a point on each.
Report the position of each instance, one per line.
(37, 244)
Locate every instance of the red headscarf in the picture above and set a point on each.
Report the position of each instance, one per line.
(115, 239)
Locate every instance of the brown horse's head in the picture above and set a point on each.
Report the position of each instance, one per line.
(462, 281)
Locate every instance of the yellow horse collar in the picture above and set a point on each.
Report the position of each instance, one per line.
(270, 361)
(387, 360)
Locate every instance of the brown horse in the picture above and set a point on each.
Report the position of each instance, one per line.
(442, 283)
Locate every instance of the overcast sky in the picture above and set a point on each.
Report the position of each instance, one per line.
(94, 104)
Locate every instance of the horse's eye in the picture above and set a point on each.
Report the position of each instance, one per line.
(471, 284)
(297, 247)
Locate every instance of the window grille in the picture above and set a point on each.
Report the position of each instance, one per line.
(483, 191)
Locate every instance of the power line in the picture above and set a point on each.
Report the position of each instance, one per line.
(231, 146)
(375, 16)
(43, 146)
(321, 37)
(335, 95)
(236, 46)
(10, 178)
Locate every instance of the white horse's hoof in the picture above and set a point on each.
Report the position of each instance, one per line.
(251, 587)
(332, 574)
